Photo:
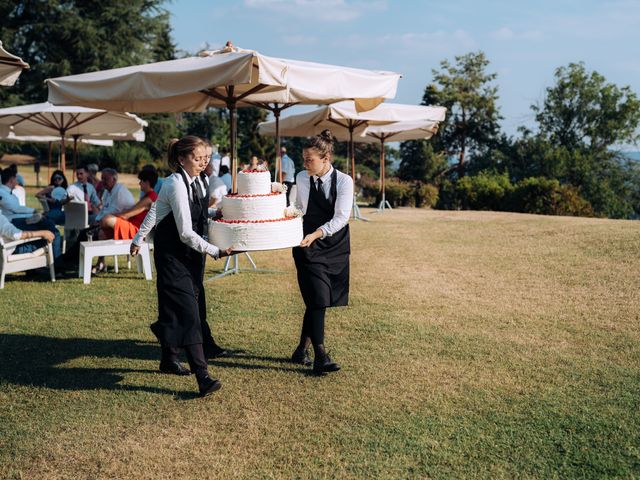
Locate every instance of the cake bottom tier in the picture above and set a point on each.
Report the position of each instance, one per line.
(251, 236)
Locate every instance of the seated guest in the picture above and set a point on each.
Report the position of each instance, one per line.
(55, 194)
(9, 232)
(125, 225)
(92, 169)
(19, 190)
(116, 198)
(24, 218)
(225, 176)
(83, 191)
(159, 182)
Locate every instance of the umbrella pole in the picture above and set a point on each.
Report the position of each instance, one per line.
(75, 153)
(50, 155)
(383, 203)
(63, 159)
(352, 153)
(276, 113)
(233, 133)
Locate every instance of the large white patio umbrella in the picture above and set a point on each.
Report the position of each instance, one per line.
(45, 119)
(11, 67)
(346, 123)
(51, 139)
(230, 77)
(397, 132)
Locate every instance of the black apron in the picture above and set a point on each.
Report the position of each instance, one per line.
(323, 268)
(180, 272)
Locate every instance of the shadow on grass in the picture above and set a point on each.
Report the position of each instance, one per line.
(34, 360)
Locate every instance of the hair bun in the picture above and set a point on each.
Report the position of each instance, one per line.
(326, 135)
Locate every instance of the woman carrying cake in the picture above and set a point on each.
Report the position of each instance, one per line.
(325, 196)
(180, 221)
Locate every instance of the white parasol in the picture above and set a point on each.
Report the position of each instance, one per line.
(230, 77)
(348, 124)
(11, 67)
(45, 119)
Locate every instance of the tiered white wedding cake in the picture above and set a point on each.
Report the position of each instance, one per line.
(257, 217)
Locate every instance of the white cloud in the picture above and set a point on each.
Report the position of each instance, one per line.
(319, 10)
(506, 34)
(299, 40)
(439, 43)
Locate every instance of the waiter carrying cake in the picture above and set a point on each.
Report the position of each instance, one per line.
(179, 255)
(325, 196)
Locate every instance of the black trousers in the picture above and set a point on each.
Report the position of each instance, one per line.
(313, 325)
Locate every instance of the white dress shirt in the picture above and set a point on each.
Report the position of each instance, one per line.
(217, 188)
(344, 200)
(8, 231)
(76, 193)
(215, 164)
(115, 201)
(174, 198)
(10, 205)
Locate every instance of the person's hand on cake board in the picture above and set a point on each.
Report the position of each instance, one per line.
(308, 240)
(229, 251)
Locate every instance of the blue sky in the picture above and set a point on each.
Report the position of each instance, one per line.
(525, 41)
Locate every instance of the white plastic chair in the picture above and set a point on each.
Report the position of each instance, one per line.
(19, 262)
(76, 218)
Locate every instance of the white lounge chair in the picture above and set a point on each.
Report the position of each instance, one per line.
(19, 262)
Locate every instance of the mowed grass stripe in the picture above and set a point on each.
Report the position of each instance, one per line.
(477, 344)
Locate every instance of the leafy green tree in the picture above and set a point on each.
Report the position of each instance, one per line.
(471, 98)
(419, 161)
(581, 121)
(249, 142)
(64, 37)
(582, 110)
(212, 125)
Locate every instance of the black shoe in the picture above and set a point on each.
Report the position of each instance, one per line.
(208, 385)
(173, 367)
(301, 356)
(215, 351)
(323, 364)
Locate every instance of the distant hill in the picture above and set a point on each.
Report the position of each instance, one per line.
(632, 155)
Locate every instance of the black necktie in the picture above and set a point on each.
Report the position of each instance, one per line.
(195, 191)
(319, 187)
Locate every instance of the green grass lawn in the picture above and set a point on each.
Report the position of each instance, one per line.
(477, 344)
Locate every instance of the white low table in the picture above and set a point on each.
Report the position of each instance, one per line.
(106, 248)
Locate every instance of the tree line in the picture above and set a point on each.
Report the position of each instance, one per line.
(569, 164)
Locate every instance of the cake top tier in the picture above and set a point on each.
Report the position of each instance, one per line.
(254, 182)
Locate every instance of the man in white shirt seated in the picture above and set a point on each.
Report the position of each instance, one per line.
(84, 191)
(24, 218)
(116, 197)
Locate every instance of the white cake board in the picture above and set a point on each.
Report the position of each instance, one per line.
(235, 269)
